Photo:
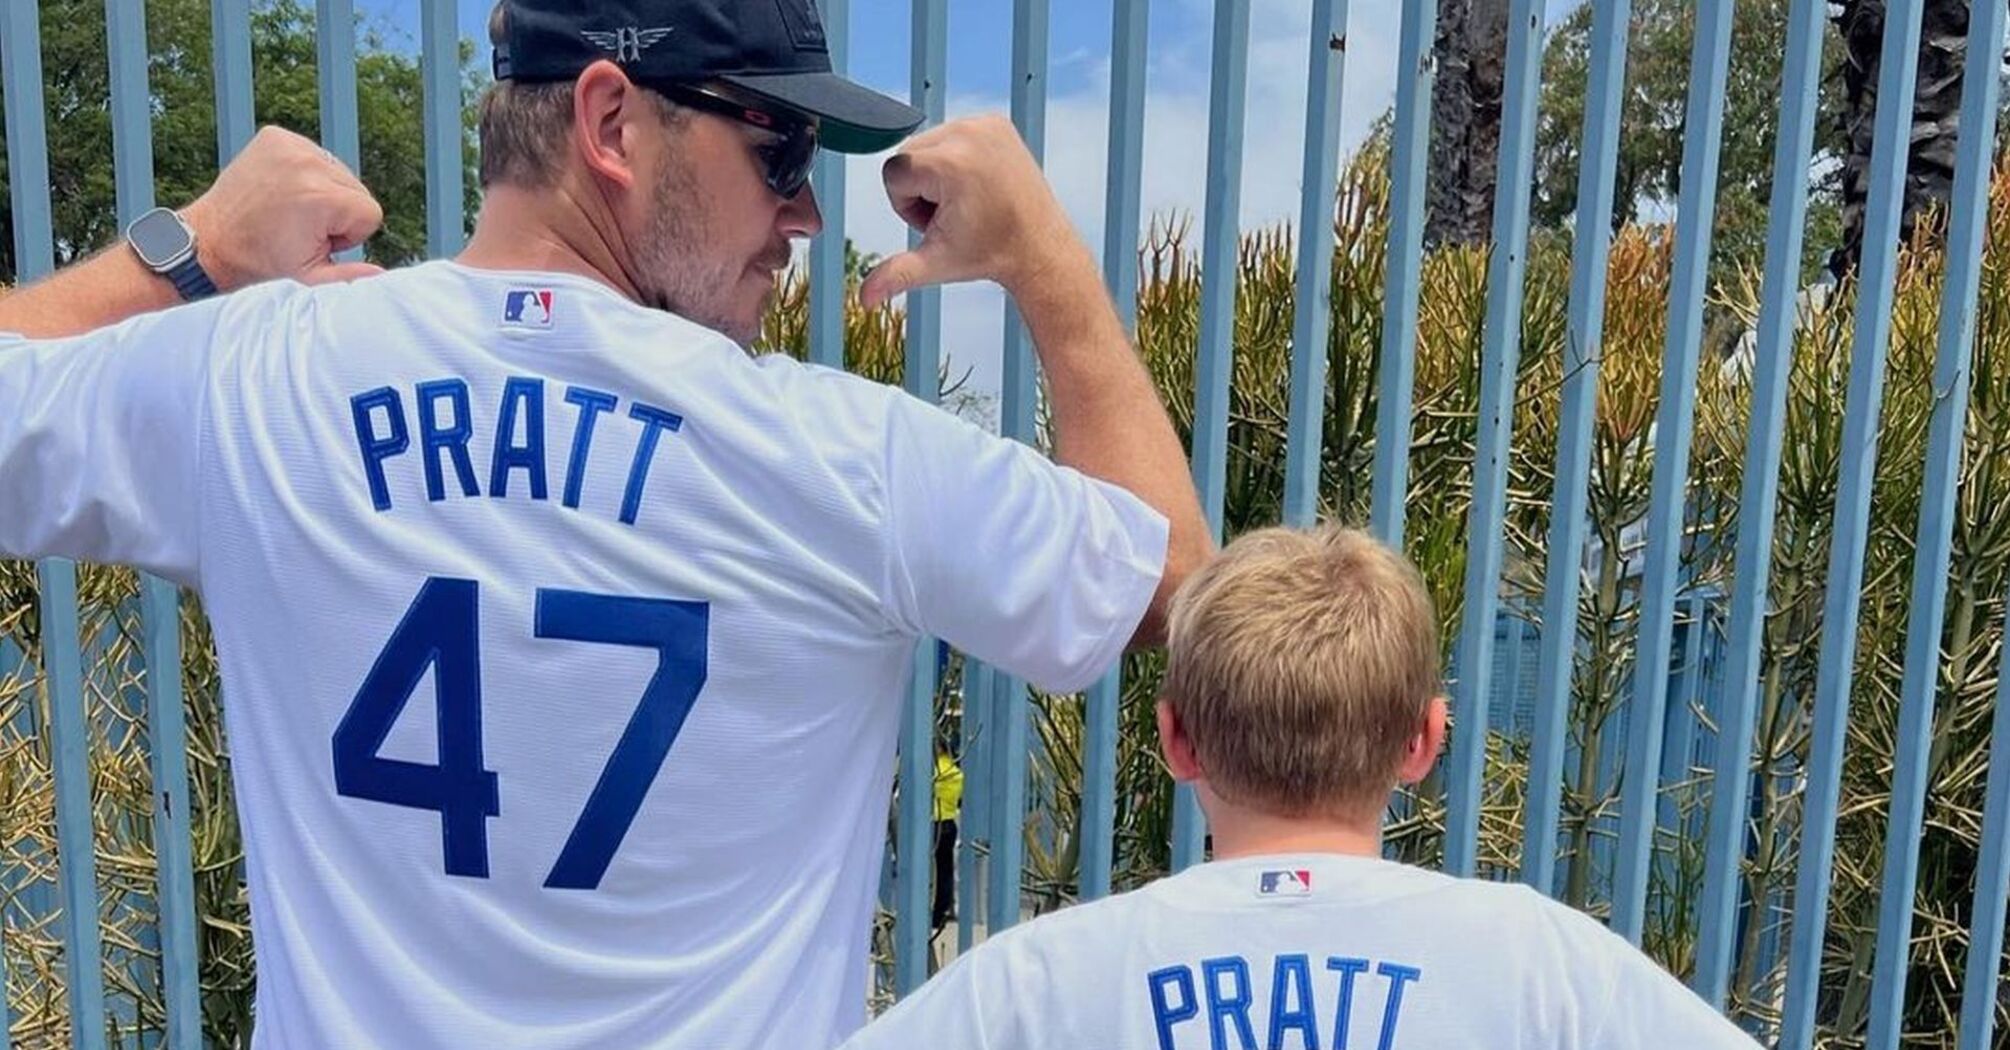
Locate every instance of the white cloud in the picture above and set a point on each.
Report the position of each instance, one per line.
(1175, 147)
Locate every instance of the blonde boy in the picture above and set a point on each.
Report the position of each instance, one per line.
(1302, 688)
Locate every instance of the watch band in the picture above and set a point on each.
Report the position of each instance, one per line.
(191, 281)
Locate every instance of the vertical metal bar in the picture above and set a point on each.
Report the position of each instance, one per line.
(926, 74)
(1759, 503)
(827, 249)
(1836, 665)
(1992, 878)
(916, 824)
(34, 252)
(976, 811)
(1508, 689)
(27, 142)
(1416, 72)
(1501, 350)
(230, 50)
(1709, 65)
(173, 854)
(1306, 428)
(1020, 394)
(335, 44)
(1599, 161)
(70, 751)
(28, 189)
(1099, 783)
(1020, 402)
(1123, 191)
(1121, 216)
(1692, 674)
(160, 601)
(1220, 241)
(1009, 715)
(440, 70)
(132, 128)
(1933, 545)
(922, 368)
(921, 379)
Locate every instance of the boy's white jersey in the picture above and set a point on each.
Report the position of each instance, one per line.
(1303, 952)
(562, 642)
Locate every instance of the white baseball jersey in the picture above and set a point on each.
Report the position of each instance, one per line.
(1306, 952)
(562, 642)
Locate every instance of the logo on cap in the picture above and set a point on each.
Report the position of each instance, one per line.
(804, 23)
(628, 42)
(527, 308)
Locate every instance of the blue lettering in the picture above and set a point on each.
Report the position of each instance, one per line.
(378, 448)
(529, 456)
(433, 438)
(654, 422)
(1293, 972)
(1398, 976)
(591, 403)
(1225, 1005)
(1164, 1013)
(1347, 968)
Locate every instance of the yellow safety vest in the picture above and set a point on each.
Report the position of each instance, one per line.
(948, 788)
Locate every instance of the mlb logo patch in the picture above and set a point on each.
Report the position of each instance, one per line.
(527, 308)
(1286, 883)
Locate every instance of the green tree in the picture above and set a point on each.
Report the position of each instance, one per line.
(77, 84)
(1649, 170)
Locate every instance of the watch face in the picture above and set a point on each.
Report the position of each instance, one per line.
(160, 238)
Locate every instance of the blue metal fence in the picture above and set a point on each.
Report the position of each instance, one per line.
(1698, 716)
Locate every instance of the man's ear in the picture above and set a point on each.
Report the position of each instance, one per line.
(1425, 746)
(606, 106)
(1176, 746)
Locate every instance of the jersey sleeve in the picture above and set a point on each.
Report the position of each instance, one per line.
(1027, 565)
(962, 1008)
(100, 448)
(1643, 1007)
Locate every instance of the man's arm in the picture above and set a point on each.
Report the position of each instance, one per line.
(100, 422)
(986, 212)
(282, 208)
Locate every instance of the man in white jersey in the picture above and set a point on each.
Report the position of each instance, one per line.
(1302, 687)
(564, 642)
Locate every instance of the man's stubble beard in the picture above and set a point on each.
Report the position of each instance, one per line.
(673, 255)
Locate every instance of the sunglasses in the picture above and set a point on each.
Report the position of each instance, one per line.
(787, 158)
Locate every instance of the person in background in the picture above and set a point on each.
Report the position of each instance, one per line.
(948, 801)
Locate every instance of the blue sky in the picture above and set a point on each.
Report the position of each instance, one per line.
(979, 38)
(980, 34)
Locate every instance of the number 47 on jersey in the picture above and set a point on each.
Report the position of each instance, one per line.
(441, 631)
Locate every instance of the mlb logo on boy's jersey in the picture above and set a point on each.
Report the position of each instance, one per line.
(527, 308)
(1289, 883)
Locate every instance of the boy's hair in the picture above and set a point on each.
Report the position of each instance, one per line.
(1301, 665)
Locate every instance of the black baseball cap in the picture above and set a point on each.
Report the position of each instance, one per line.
(773, 50)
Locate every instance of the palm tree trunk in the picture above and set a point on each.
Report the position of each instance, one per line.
(1936, 113)
(1471, 52)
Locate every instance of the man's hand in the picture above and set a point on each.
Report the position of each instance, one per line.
(282, 208)
(984, 210)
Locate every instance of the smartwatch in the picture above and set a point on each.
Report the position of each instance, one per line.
(166, 245)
